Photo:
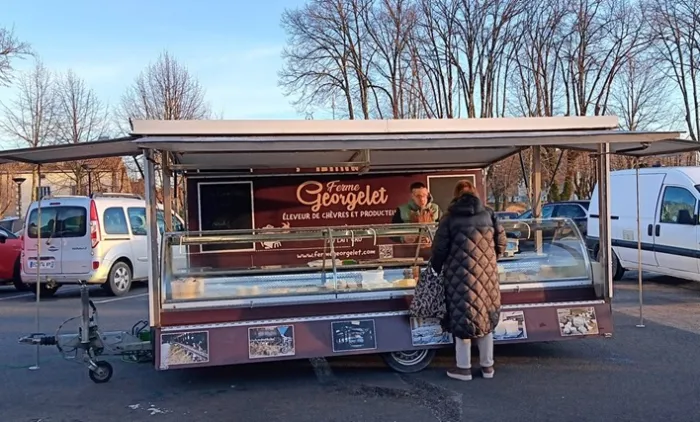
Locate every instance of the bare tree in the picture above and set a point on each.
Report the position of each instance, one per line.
(503, 180)
(30, 119)
(11, 48)
(327, 56)
(165, 90)
(8, 188)
(675, 31)
(390, 26)
(433, 52)
(640, 96)
(82, 117)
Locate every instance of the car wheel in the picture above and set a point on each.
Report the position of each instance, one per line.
(45, 291)
(119, 282)
(617, 271)
(17, 279)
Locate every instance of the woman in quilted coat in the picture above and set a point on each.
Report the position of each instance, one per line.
(466, 246)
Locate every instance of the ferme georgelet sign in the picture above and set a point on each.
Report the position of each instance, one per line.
(336, 199)
(303, 201)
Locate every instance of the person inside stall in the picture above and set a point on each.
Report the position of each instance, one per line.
(420, 208)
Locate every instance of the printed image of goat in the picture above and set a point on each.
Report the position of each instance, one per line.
(273, 244)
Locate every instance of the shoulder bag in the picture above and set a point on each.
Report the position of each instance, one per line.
(429, 296)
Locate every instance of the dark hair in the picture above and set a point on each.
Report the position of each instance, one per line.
(417, 185)
(465, 186)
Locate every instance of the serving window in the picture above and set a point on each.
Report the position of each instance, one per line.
(226, 206)
(441, 187)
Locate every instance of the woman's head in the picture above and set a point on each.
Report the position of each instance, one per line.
(463, 187)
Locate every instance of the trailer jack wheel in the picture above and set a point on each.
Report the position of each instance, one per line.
(102, 373)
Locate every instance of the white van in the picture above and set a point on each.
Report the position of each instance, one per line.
(100, 239)
(670, 233)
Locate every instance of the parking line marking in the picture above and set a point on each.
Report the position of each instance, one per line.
(16, 296)
(116, 299)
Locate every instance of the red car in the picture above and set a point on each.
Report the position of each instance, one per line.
(10, 249)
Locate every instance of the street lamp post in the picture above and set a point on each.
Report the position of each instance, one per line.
(88, 169)
(19, 181)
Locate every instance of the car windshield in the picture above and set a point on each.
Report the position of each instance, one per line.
(7, 223)
(7, 234)
(58, 222)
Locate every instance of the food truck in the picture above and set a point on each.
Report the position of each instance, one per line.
(290, 252)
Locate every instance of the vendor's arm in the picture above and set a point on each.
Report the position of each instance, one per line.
(438, 213)
(441, 245)
(396, 219)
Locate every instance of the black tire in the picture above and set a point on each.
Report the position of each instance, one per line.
(617, 271)
(119, 280)
(410, 361)
(44, 290)
(17, 279)
(105, 373)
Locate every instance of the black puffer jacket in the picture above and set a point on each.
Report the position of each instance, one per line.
(466, 246)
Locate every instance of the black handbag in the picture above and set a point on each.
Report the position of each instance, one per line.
(429, 295)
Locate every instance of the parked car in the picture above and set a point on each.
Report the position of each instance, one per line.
(10, 249)
(670, 230)
(575, 210)
(100, 239)
(506, 215)
(11, 224)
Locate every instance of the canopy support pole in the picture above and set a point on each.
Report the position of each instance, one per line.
(152, 236)
(639, 251)
(167, 192)
(605, 247)
(37, 316)
(536, 184)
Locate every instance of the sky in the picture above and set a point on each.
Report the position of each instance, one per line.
(233, 47)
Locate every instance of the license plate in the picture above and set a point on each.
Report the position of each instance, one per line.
(45, 265)
(512, 245)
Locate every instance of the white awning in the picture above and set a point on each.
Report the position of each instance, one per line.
(375, 145)
(395, 151)
(118, 147)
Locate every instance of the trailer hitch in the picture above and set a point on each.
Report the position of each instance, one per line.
(90, 342)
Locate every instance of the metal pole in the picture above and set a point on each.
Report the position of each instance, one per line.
(167, 193)
(37, 316)
(536, 185)
(639, 252)
(604, 218)
(19, 199)
(152, 236)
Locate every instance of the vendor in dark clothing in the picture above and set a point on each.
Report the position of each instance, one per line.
(419, 209)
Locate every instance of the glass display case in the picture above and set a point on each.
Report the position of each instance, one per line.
(306, 265)
(544, 253)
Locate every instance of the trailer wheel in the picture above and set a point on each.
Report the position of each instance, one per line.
(409, 361)
(103, 373)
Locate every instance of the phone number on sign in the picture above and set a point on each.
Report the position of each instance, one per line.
(338, 254)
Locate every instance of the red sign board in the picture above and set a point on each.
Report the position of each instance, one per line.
(305, 201)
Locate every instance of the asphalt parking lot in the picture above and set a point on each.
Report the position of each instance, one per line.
(648, 374)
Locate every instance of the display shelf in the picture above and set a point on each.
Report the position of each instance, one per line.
(295, 271)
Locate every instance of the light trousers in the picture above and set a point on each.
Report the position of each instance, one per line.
(463, 352)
